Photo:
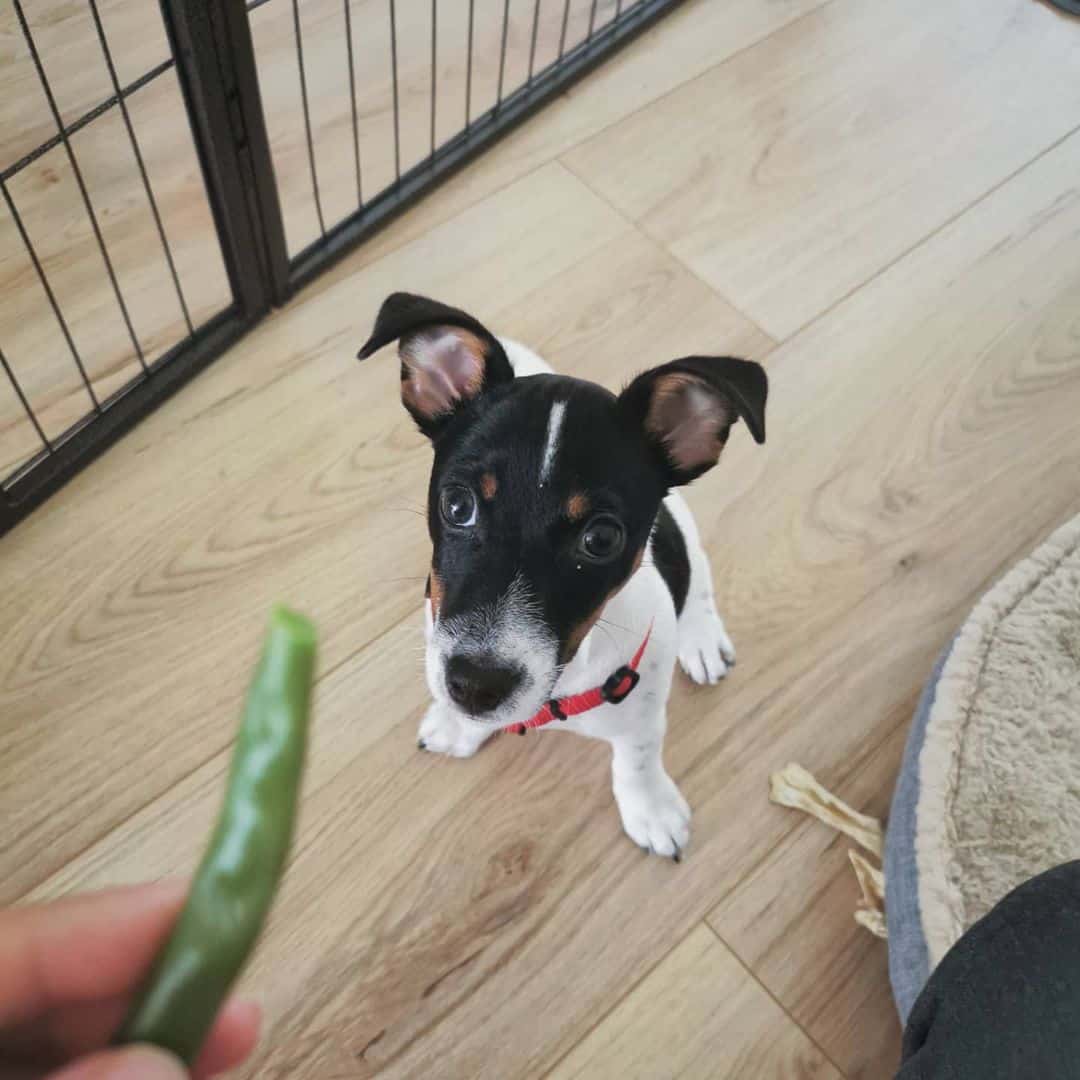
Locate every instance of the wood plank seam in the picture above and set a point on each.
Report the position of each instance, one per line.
(775, 1000)
(906, 253)
(662, 248)
(699, 76)
(487, 193)
(842, 780)
(136, 811)
(646, 973)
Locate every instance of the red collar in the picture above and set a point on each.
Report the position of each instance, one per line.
(617, 688)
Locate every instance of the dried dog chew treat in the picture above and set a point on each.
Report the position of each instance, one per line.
(874, 921)
(246, 857)
(871, 912)
(871, 881)
(794, 787)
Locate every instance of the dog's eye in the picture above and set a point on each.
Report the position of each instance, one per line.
(603, 539)
(458, 506)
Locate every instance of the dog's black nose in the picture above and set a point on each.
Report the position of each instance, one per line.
(479, 685)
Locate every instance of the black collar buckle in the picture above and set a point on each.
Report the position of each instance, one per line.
(619, 685)
(556, 709)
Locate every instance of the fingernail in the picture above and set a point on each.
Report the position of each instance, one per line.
(129, 1063)
(147, 1063)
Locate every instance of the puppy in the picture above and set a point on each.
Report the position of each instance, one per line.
(566, 579)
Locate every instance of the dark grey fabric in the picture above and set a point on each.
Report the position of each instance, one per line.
(1004, 1003)
(909, 965)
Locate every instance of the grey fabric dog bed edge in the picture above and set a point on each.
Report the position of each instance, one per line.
(909, 958)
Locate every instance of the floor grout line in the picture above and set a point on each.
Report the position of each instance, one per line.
(775, 1000)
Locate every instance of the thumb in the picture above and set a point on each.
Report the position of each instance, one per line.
(126, 1063)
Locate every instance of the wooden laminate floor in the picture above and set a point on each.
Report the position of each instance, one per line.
(879, 200)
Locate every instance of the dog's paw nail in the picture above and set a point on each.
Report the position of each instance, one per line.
(421, 745)
(677, 857)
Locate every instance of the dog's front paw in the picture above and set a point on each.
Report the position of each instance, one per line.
(442, 732)
(654, 813)
(705, 650)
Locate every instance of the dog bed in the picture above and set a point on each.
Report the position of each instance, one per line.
(989, 790)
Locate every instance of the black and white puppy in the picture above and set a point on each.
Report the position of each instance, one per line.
(565, 574)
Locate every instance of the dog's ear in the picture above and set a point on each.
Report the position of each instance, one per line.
(447, 357)
(686, 409)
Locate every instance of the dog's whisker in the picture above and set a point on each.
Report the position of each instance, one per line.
(608, 622)
(610, 635)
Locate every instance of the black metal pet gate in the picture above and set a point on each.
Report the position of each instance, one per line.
(460, 71)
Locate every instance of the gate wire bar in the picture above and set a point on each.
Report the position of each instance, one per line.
(468, 70)
(434, 67)
(562, 33)
(22, 398)
(532, 42)
(352, 95)
(307, 115)
(77, 125)
(592, 21)
(139, 161)
(502, 52)
(58, 120)
(50, 295)
(485, 130)
(397, 116)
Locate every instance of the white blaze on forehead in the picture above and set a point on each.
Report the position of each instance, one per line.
(551, 445)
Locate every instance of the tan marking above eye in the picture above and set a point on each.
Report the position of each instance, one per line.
(488, 486)
(577, 506)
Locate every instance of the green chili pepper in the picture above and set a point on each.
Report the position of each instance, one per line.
(239, 873)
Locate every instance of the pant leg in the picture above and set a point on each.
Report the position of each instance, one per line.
(1004, 1003)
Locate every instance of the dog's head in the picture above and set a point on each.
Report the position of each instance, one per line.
(543, 494)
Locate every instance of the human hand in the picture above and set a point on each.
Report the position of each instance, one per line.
(68, 970)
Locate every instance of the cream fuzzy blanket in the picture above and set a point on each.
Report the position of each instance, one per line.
(999, 772)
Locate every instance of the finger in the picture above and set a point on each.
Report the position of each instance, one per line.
(65, 1033)
(130, 1063)
(83, 948)
(74, 1030)
(231, 1039)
